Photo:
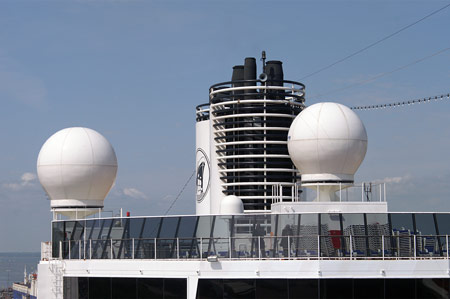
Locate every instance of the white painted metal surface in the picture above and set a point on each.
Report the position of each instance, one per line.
(203, 168)
(77, 167)
(327, 141)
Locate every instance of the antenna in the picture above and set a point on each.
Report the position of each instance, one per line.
(263, 58)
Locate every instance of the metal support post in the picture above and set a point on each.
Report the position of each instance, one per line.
(289, 247)
(132, 248)
(178, 248)
(446, 244)
(318, 246)
(415, 248)
(259, 247)
(90, 248)
(351, 247)
(61, 247)
(201, 248)
(69, 251)
(155, 247)
(382, 245)
(229, 247)
(111, 248)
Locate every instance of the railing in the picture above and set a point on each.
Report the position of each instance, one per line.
(262, 247)
(363, 192)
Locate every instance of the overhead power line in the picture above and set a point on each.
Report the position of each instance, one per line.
(403, 103)
(379, 75)
(374, 43)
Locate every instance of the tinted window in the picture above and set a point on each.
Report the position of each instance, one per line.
(336, 288)
(150, 288)
(242, 288)
(303, 288)
(368, 288)
(271, 288)
(399, 288)
(124, 288)
(99, 288)
(210, 289)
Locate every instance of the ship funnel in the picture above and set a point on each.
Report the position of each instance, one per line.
(274, 71)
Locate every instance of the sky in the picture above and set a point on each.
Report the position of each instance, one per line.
(135, 70)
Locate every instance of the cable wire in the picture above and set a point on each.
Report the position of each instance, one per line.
(179, 194)
(379, 75)
(375, 43)
(403, 103)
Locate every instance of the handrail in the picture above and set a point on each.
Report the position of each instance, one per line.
(351, 247)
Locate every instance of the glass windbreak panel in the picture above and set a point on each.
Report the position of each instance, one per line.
(402, 222)
(78, 230)
(353, 225)
(151, 228)
(169, 227)
(377, 227)
(118, 228)
(287, 231)
(188, 227)
(188, 243)
(57, 237)
(135, 228)
(307, 244)
(425, 224)
(402, 240)
(222, 227)
(443, 221)
(204, 226)
(330, 235)
(90, 225)
(427, 242)
(68, 229)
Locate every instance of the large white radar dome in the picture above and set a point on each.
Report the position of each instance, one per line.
(327, 143)
(77, 167)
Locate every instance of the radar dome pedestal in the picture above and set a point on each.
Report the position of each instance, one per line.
(327, 143)
(77, 168)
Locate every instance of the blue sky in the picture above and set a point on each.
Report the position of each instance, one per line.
(135, 70)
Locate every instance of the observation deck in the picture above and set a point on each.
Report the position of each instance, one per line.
(306, 236)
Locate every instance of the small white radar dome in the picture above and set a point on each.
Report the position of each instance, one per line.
(231, 205)
(327, 143)
(77, 167)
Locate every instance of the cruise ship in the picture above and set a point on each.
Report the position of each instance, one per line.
(278, 213)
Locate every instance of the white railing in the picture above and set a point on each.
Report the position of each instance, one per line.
(351, 247)
(363, 192)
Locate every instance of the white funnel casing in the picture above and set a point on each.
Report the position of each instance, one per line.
(77, 168)
(327, 143)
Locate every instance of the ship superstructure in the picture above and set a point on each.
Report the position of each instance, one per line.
(278, 212)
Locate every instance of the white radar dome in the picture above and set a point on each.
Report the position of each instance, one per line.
(77, 167)
(327, 143)
(231, 205)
